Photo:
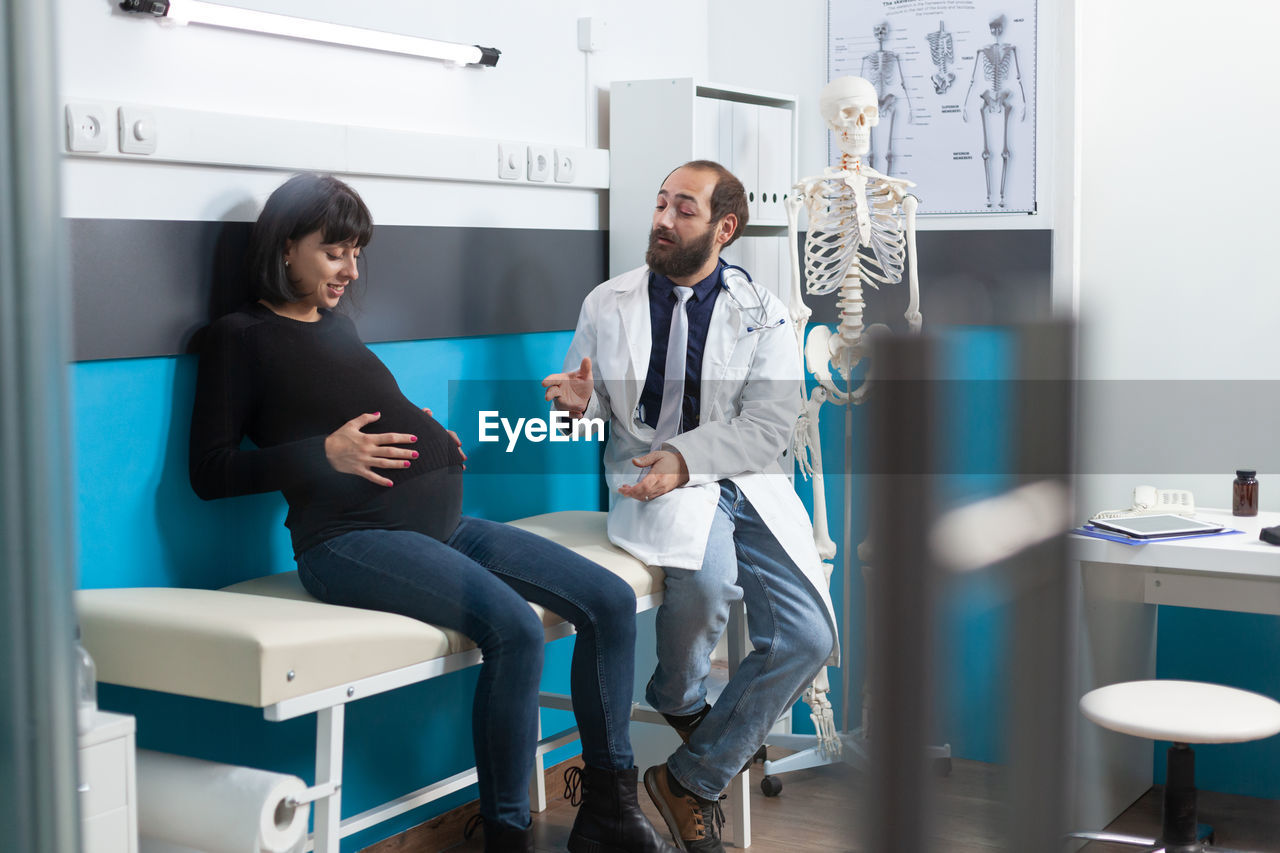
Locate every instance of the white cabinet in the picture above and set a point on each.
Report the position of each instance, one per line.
(657, 125)
(108, 789)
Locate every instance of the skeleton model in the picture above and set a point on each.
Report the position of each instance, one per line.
(861, 231)
(884, 69)
(997, 62)
(943, 52)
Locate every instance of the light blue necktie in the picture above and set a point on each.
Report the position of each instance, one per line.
(673, 376)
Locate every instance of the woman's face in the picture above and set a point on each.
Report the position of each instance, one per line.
(320, 271)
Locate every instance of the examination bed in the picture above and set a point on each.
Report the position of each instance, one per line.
(268, 644)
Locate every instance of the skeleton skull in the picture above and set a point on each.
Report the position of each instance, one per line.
(850, 107)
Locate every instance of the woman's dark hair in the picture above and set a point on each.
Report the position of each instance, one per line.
(305, 203)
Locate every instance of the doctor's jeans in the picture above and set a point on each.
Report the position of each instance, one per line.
(791, 639)
(479, 582)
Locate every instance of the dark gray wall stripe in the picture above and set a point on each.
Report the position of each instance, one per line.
(145, 287)
(968, 277)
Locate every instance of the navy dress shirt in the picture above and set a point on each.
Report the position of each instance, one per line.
(662, 301)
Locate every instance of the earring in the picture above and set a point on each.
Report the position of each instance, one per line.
(286, 262)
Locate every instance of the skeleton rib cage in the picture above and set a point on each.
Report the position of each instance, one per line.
(881, 65)
(835, 239)
(942, 52)
(941, 49)
(997, 60)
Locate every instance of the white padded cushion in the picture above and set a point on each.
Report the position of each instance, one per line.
(240, 648)
(239, 644)
(584, 532)
(1183, 711)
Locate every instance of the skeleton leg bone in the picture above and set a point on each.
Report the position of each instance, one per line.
(888, 149)
(984, 114)
(1004, 155)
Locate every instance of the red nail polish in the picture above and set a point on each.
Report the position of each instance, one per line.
(415, 454)
(413, 438)
(406, 464)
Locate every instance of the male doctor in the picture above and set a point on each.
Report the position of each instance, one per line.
(701, 379)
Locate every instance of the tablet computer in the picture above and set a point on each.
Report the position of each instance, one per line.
(1156, 526)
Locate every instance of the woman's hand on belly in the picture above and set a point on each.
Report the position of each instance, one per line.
(452, 435)
(352, 451)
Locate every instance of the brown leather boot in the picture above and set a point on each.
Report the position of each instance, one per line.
(694, 822)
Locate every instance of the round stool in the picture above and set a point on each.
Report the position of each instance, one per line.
(1184, 712)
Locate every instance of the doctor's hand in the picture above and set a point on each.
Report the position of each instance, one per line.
(571, 391)
(667, 471)
(352, 451)
(452, 435)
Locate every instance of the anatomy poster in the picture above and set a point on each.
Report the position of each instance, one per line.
(956, 81)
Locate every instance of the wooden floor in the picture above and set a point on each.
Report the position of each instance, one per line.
(1239, 823)
(824, 809)
(821, 810)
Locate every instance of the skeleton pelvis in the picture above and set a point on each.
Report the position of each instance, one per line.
(995, 102)
(824, 350)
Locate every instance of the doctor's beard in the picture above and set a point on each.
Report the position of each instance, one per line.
(679, 259)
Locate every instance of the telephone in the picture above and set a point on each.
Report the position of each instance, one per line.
(1148, 500)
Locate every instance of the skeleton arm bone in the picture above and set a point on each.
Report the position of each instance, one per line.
(913, 315)
(800, 312)
(809, 451)
(973, 78)
(911, 119)
(1017, 73)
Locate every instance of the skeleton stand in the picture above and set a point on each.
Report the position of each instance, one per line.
(849, 208)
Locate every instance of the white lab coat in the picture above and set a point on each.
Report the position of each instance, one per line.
(751, 396)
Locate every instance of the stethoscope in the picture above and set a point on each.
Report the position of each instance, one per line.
(760, 320)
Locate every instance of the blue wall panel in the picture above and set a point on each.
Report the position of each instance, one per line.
(1238, 650)
(140, 525)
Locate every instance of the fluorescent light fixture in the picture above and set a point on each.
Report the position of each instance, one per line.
(179, 12)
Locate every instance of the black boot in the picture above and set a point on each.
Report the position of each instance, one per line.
(684, 725)
(499, 838)
(610, 820)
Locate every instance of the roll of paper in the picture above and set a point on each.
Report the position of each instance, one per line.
(218, 808)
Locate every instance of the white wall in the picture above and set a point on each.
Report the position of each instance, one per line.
(1176, 250)
(775, 47)
(539, 92)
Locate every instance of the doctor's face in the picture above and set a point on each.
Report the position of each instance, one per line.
(683, 238)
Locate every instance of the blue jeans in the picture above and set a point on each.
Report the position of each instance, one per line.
(478, 582)
(791, 638)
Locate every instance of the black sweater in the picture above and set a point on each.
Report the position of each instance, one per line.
(287, 385)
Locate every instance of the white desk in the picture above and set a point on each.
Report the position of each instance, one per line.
(1119, 587)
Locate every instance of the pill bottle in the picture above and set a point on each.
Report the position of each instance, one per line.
(1244, 494)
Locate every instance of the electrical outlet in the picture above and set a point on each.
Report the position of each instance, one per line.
(540, 159)
(510, 162)
(86, 127)
(137, 131)
(566, 167)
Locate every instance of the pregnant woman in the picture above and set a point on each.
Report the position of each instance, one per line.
(374, 487)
